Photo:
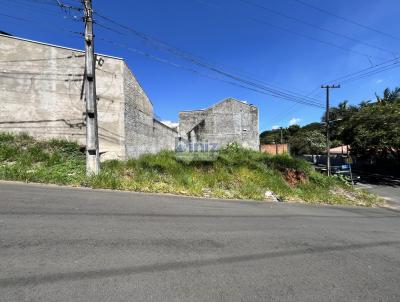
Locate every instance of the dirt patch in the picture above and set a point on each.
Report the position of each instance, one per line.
(294, 177)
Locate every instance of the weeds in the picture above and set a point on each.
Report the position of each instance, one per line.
(234, 173)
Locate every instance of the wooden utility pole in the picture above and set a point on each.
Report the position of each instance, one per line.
(92, 138)
(328, 147)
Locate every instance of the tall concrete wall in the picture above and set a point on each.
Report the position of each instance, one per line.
(41, 94)
(226, 122)
(144, 134)
(41, 88)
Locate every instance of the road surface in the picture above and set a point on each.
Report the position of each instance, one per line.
(387, 187)
(62, 244)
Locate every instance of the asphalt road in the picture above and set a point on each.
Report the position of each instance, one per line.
(384, 186)
(60, 244)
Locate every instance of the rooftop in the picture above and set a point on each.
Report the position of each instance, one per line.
(220, 102)
(5, 35)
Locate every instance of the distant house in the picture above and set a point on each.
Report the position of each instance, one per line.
(344, 149)
(226, 122)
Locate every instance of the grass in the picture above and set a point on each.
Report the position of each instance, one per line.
(234, 173)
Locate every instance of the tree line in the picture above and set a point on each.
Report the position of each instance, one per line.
(371, 128)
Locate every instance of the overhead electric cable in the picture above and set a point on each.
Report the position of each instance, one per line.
(315, 26)
(296, 33)
(40, 24)
(346, 19)
(292, 99)
(194, 60)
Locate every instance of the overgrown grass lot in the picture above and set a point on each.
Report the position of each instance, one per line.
(234, 173)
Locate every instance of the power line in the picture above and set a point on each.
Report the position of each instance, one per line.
(361, 74)
(364, 73)
(149, 56)
(40, 24)
(370, 70)
(160, 45)
(315, 26)
(30, 8)
(347, 20)
(53, 3)
(367, 56)
(258, 89)
(368, 74)
(68, 7)
(312, 38)
(248, 76)
(199, 62)
(292, 32)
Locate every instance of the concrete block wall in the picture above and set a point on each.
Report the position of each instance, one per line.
(224, 123)
(143, 133)
(164, 137)
(42, 95)
(189, 120)
(41, 88)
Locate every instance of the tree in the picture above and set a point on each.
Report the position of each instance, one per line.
(308, 142)
(293, 130)
(375, 129)
(389, 96)
(372, 129)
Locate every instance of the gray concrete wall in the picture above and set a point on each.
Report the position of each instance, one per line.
(40, 94)
(164, 137)
(41, 88)
(188, 120)
(143, 133)
(226, 122)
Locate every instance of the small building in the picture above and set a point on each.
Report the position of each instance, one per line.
(42, 94)
(343, 150)
(226, 122)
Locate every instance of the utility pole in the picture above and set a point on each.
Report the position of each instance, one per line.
(328, 148)
(92, 138)
(281, 135)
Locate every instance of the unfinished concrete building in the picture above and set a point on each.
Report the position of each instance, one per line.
(226, 122)
(42, 95)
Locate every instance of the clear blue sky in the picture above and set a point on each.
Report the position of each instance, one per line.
(223, 32)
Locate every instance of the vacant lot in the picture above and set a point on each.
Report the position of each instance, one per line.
(231, 173)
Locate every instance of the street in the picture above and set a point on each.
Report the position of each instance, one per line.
(66, 244)
(387, 187)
